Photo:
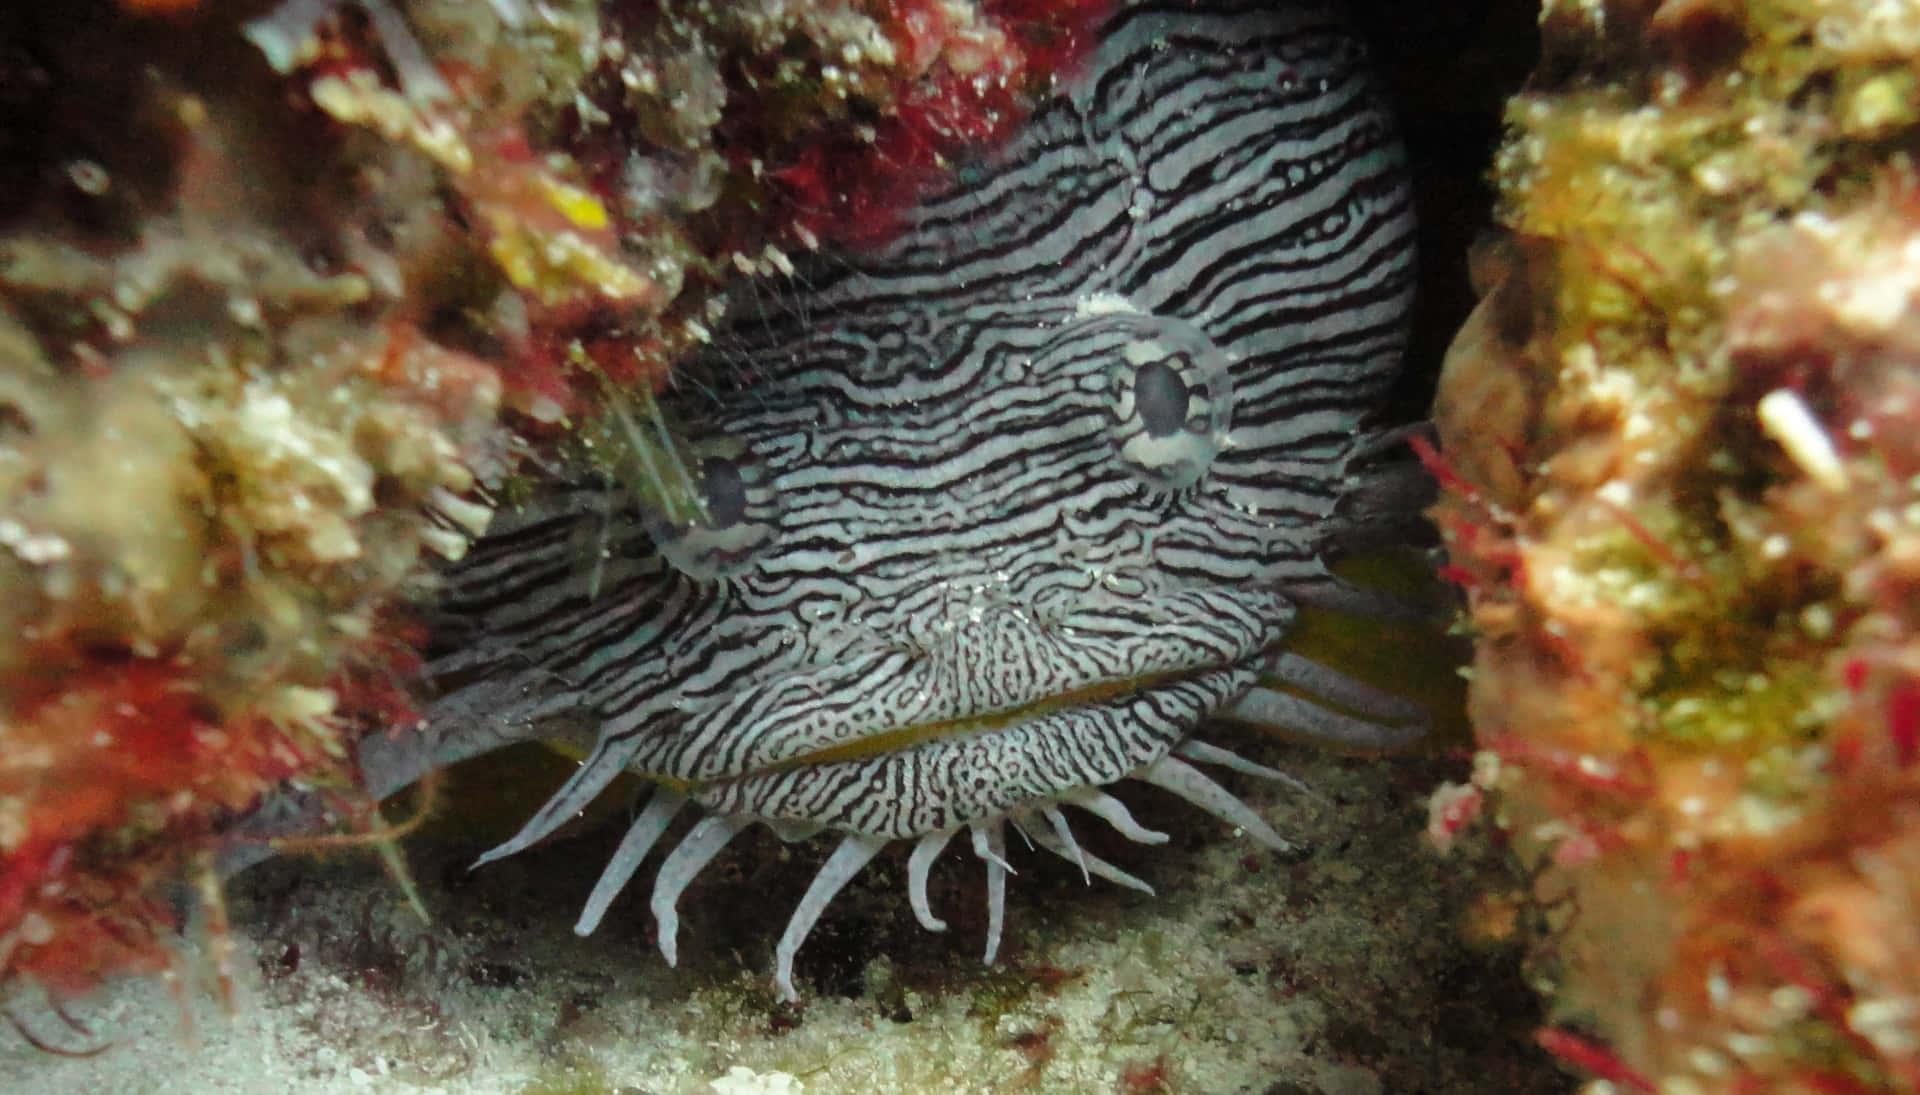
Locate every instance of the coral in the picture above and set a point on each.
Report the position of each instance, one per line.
(1679, 445)
(285, 301)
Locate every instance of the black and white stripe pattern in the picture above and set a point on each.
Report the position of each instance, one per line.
(1077, 432)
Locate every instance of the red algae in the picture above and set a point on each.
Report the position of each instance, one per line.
(977, 72)
(157, 767)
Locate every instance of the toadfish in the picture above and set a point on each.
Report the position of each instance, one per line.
(997, 513)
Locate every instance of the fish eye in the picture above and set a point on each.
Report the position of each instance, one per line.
(1172, 405)
(1161, 397)
(743, 517)
(726, 492)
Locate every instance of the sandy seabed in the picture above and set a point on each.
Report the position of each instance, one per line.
(1333, 969)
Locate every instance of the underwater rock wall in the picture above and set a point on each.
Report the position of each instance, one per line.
(1681, 436)
(287, 292)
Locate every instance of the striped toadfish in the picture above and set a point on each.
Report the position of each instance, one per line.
(997, 513)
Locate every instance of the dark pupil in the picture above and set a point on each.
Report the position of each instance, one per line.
(726, 492)
(1162, 398)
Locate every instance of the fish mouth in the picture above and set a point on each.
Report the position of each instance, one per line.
(1287, 693)
(990, 721)
(887, 698)
(991, 764)
(978, 767)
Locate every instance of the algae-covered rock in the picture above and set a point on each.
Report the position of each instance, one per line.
(289, 290)
(1680, 436)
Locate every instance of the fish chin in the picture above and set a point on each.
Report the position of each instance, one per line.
(1019, 772)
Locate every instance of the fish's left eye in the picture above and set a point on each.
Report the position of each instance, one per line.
(743, 517)
(1172, 405)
